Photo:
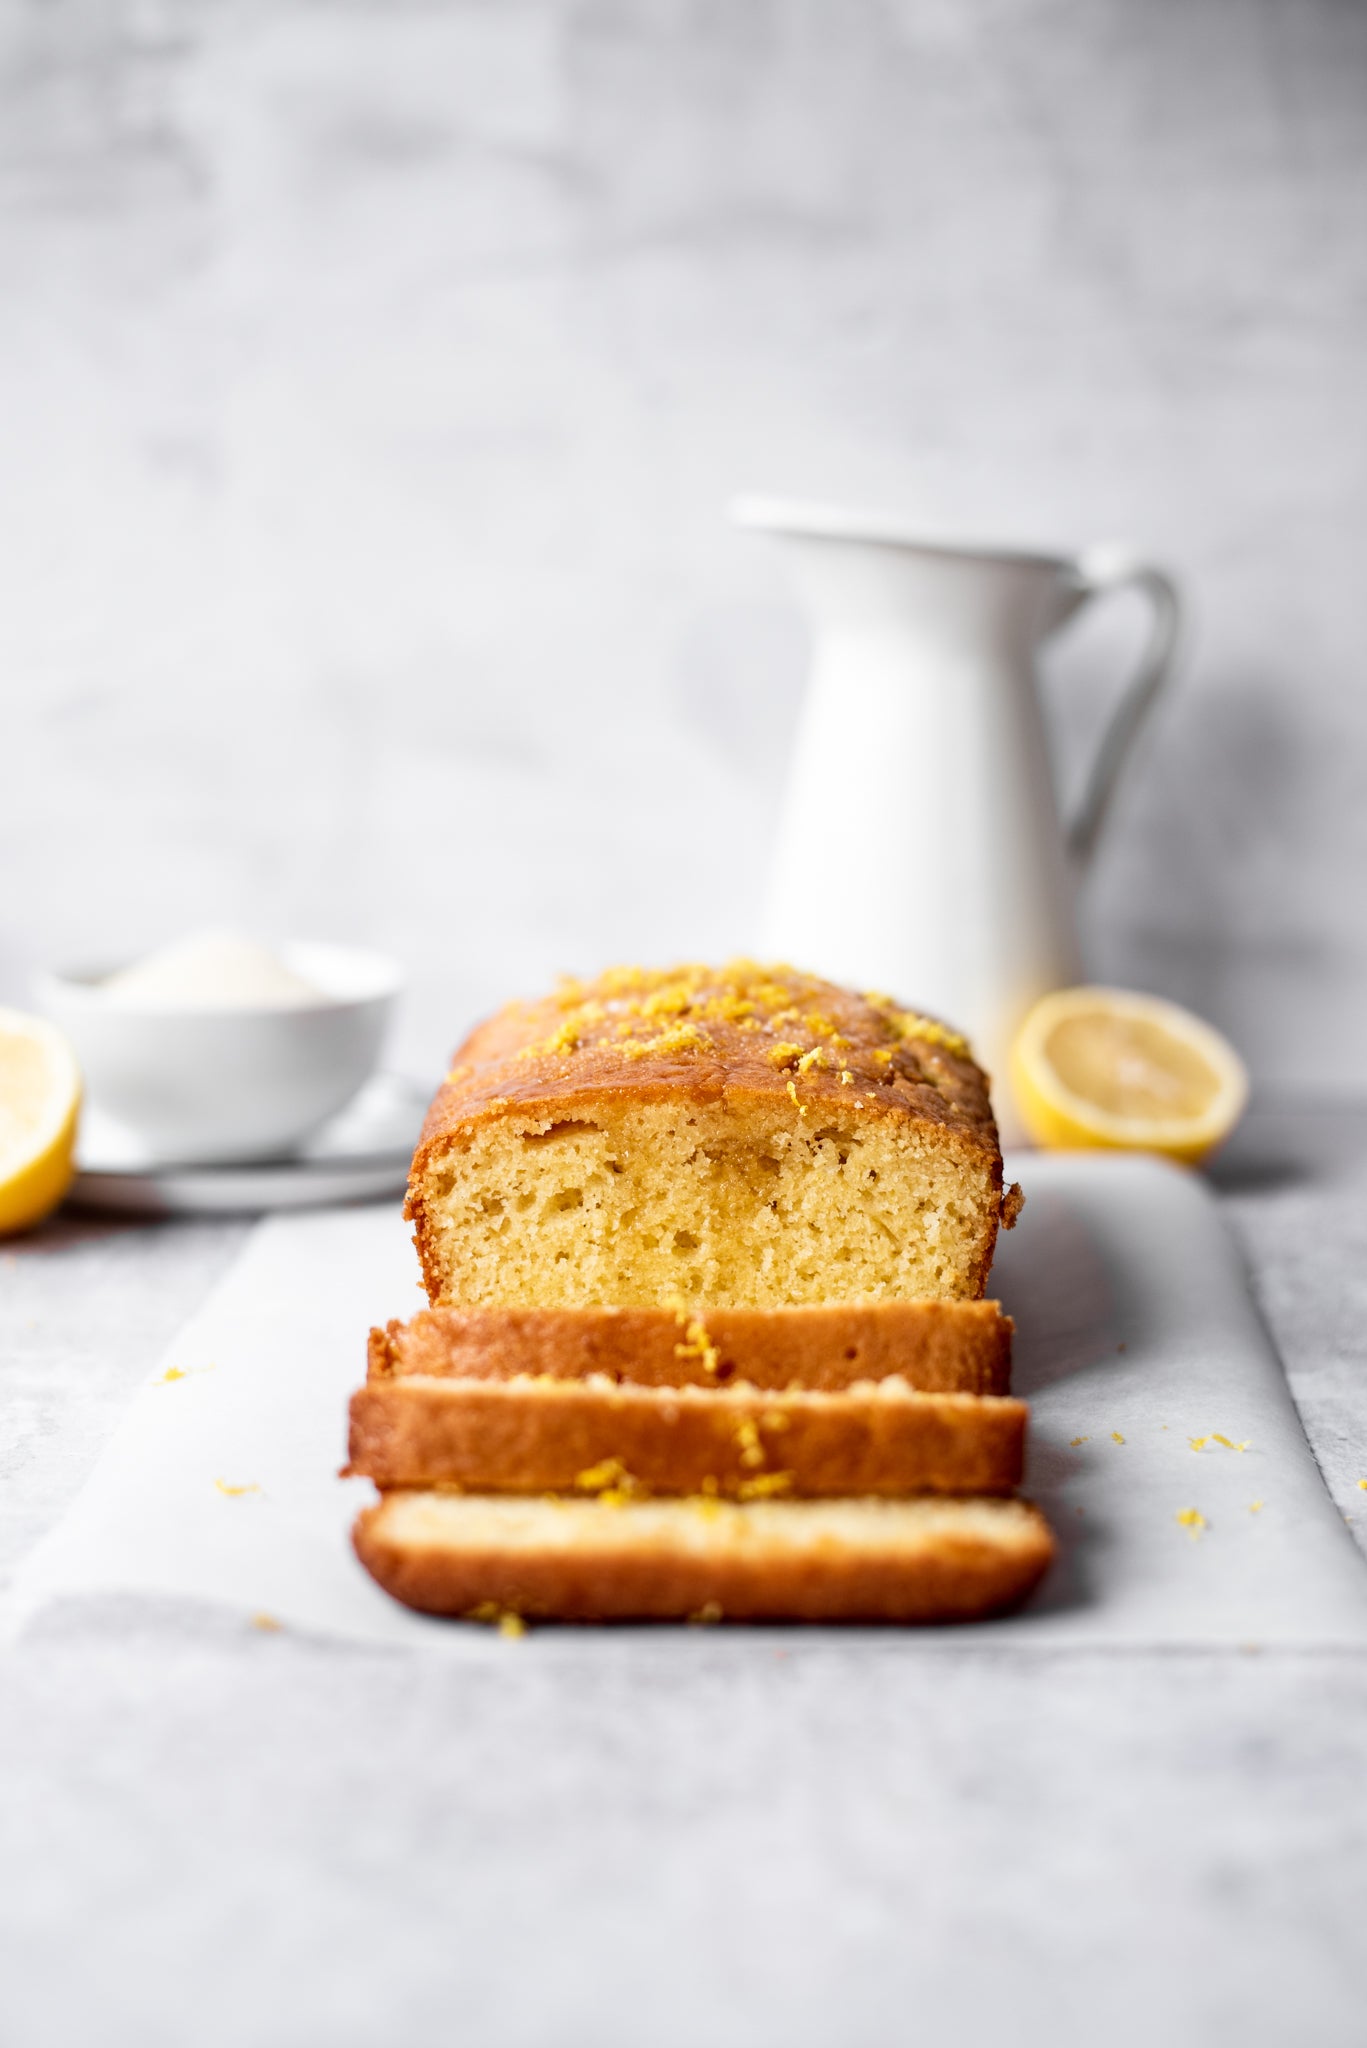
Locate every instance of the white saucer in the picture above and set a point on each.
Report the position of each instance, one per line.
(362, 1155)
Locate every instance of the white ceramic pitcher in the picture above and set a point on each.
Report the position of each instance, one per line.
(920, 849)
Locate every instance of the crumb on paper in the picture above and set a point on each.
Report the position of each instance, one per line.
(1074, 1441)
(1362, 1485)
(1120, 1347)
(1192, 1520)
(235, 1492)
(1255, 1507)
(506, 1620)
(1116, 1437)
(172, 1372)
(267, 1624)
(707, 1615)
(1198, 1443)
(1229, 1444)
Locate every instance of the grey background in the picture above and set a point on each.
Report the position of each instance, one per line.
(373, 380)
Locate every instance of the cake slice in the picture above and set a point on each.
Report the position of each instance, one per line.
(738, 1137)
(556, 1435)
(581, 1560)
(938, 1347)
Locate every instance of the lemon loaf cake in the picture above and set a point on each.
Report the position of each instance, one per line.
(938, 1347)
(740, 1137)
(924, 1560)
(558, 1435)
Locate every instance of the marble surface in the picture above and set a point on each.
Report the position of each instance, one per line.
(375, 378)
(211, 1833)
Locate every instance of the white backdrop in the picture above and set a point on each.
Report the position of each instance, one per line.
(373, 380)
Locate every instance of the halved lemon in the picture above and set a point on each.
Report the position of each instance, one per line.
(40, 1100)
(1104, 1067)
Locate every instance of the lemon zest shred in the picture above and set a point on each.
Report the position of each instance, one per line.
(752, 1451)
(765, 1486)
(697, 1344)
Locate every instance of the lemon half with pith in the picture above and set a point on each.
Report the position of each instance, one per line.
(40, 1100)
(1106, 1067)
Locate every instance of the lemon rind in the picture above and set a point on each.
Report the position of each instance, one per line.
(33, 1180)
(1135, 1133)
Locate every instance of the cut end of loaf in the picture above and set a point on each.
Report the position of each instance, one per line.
(582, 1560)
(745, 1205)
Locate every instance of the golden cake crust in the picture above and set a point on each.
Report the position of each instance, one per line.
(951, 1561)
(938, 1347)
(743, 1036)
(549, 1435)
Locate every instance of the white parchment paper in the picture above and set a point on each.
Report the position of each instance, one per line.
(1136, 1340)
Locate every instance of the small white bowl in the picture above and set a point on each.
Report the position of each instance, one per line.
(219, 1085)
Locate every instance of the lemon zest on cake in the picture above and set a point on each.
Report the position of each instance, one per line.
(1116, 1437)
(764, 1486)
(696, 1344)
(1192, 1520)
(608, 1474)
(235, 1492)
(1075, 1441)
(752, 1451)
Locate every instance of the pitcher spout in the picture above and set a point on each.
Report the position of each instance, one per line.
(860, 574)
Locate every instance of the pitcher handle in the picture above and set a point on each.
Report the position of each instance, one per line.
(1094, 573)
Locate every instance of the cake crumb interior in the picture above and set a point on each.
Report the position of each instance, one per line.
(653, 1204)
